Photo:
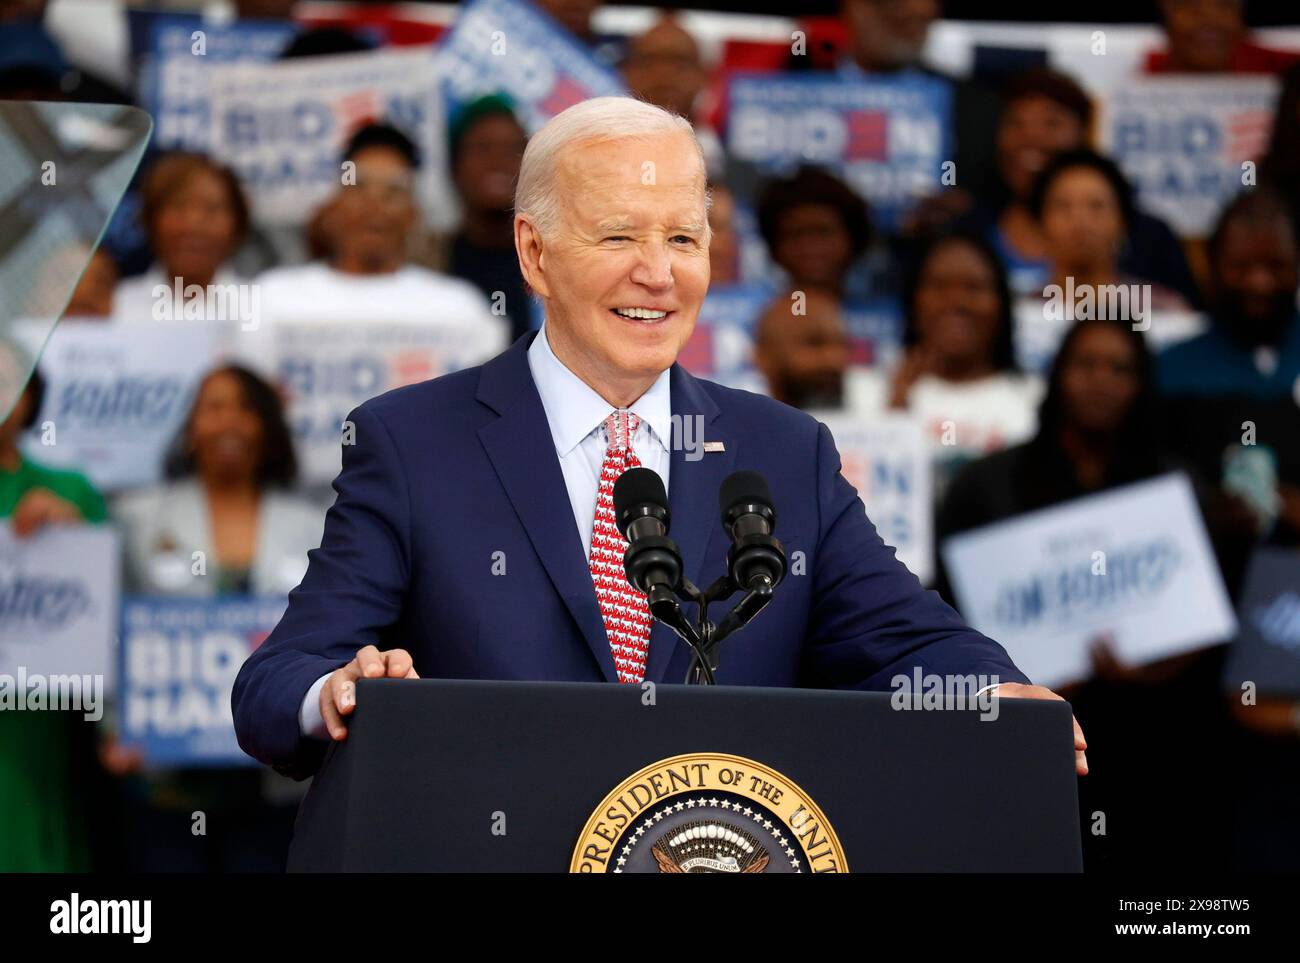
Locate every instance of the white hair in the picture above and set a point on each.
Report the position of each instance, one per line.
(597, 119)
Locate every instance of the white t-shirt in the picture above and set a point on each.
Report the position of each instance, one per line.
(318, 292)
(962, 419)
(136, 300)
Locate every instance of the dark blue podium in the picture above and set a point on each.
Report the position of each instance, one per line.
(471, 776)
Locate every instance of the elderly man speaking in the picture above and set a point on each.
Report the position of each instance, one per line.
(469, 508)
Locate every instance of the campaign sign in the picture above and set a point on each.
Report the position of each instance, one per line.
(875, 331)
(58, 600)
(888, 461)
(721, 348)
(327, 368)
(1133, 562)
(1267, 648)
(178, 54)
(1182, 141)
(511, 47)
(177, 666)
(886, 136)
(283, 126)
(116, 395)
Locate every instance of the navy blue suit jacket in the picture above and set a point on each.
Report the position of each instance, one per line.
(448, 478)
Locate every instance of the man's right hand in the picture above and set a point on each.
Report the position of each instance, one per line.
(338, 698)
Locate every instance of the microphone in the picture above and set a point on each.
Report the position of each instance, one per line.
(756, 559)
(652, 561)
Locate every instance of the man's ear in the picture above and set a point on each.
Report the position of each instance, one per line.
(528, 245)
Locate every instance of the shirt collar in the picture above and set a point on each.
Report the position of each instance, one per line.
(574, 410)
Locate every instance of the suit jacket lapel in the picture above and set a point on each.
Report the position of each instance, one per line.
(521, 450)
(693, 481)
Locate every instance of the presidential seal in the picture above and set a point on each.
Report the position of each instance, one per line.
(707, 813)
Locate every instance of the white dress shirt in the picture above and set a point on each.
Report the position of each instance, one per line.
(575, 414)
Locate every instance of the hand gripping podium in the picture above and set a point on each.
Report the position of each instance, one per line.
(461, 776)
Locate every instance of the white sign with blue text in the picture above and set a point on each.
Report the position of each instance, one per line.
(1183, 142)
(58, 600)
(510, 47)
(179, 660)
(1133, 563)
(116, 395)
(176, 66)
(282, 126)
(888, 461)
(327, 368)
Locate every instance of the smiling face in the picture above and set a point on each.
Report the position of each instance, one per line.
(226, 433)
(625, 269)
(1256, 271)
(1031, 131)
(957, 307)
(488, 162)
(371, 219)
(196, 229)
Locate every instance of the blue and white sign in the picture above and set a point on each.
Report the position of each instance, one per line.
(283, 126)
(327, 368)
(180, 51)
(1182, 141)
(116, 395)
(506, 46)
(58, 600)
(721, 347)
(1133, 562)
(887, 459)
(1267, 648)
(886, 136)
(179, 659)
(875, 331)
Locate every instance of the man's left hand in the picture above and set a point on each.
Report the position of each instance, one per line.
(1016, 690)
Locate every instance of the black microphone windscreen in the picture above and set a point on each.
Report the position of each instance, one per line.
(637, 486)
(741, 487)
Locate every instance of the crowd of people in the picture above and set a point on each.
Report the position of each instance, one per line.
(1021, 413)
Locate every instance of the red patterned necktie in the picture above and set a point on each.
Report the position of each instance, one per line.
(624, 610)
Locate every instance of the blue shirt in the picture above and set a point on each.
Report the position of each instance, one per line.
(575, 414)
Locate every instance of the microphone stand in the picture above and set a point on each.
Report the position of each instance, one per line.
(704, 636)
(664, 607)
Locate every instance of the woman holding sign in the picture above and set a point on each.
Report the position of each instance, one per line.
(224, 525)
(1098, 431)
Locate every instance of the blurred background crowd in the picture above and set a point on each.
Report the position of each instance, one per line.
(834, 307)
